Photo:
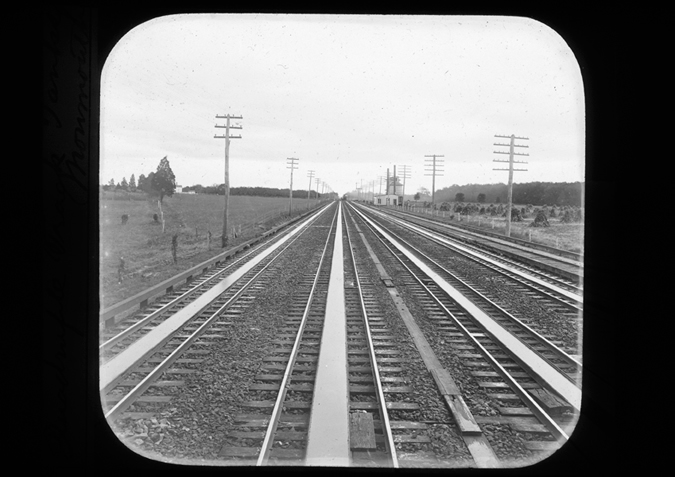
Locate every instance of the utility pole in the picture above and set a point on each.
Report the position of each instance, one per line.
(310, 174)
(291, 162)
(227, 138)
(433, 171)
(511, 153)
(406, 175)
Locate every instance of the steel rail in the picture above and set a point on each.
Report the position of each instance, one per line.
(146, 382)
(136, 326)
(386, 426)
(108, 315)
(429, 231)
(537, 410)
(560, 255)
(485, 261)
(513, 320)
(268, 442)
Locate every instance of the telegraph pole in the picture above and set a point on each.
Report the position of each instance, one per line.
(406, 174)
(433, 171)
(227, 138)
(290, 164)
(511, 153)
(310, 174)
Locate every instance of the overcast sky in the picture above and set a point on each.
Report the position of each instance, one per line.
(349, 96)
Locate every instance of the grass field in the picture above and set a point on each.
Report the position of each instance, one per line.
(147, 252)
(565, 236)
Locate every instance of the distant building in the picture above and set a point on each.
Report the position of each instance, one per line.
(390, 199)
(179, 189)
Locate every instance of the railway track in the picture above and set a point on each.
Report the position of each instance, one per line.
(548, 296)
(130, 373)
(281, 396)
(553, 266)
(377, 358)
(521, 394)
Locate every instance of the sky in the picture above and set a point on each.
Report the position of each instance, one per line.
(349, 96)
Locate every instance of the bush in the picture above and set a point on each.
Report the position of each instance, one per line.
(540, 220)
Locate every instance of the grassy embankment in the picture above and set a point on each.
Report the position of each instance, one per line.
(147, 251)
(565, 236)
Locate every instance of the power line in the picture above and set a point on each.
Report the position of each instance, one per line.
(434, 171)
(227, 138)
(310, 174)
(290, 164)
(406, 175)
(511, 153)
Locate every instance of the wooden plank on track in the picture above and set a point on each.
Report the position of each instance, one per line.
(542, 446)
(482, 452)
(463, 417)
(371, 406)
(552, 403)
(361, 431)
(445, 383)
(516, 411)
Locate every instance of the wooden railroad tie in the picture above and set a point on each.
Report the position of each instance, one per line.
(361, 431)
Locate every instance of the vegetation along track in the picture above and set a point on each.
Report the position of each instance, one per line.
(547, 310)
(558, 267)
(238, 386)
(116, 338)
(141, 387)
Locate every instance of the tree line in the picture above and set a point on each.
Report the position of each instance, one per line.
(162, 183)
(219, 189)
(535, 193)
(156, 184)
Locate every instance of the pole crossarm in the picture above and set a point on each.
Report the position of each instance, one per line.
(434, 172)
(511, 145)
(291, 163)
(227, 138)
(511, 153)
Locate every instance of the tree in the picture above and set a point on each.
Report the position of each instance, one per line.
(132, 183)
(417, 196)
(124, 185)
(481, 198)
(459, 197)
(141, 182)
(164, 181)
(147, 184)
